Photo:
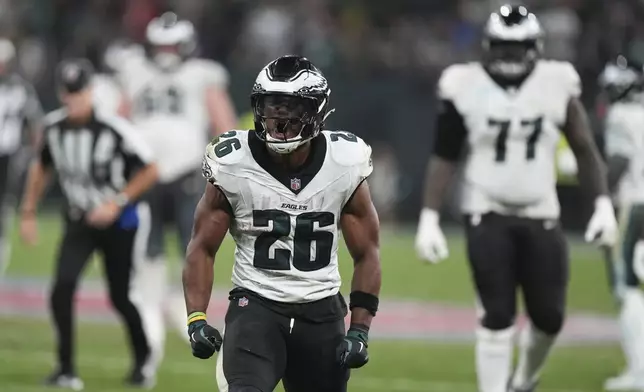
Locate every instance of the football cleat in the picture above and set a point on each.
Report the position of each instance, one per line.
(63, 380)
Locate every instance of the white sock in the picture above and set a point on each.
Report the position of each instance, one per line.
(148, 291)
(534, 349)
(631, 320)
(494, 358)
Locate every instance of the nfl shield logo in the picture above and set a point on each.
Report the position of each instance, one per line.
(243, 301)
(296, 184)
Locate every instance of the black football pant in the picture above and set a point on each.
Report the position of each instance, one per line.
(507, 253)
(120, 249)
(9, 174)
(262, 347)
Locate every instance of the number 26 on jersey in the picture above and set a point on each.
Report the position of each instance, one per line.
(303, 236)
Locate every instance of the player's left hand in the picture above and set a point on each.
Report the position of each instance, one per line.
(352, 352)
(602, 227)
(104, 215)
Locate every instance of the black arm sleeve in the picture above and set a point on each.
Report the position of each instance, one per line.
(133, 161)
(46, 159)
(451, 133)
(617, 166)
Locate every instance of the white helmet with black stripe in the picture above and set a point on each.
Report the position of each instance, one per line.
(170, 40)
(290, 101)
(622, 78)
(512, 43)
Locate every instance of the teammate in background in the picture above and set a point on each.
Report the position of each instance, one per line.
(623, 83)
(107, 91)
(285, 190)
(20, 130)
(508, 110)
(173, 99)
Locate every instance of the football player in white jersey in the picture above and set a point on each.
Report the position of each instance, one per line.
(107, 91)
(508, 110)
(623, 84)
(284, 191)
(174, 99)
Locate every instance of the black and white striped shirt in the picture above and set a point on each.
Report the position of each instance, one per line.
(94, 161)
(19, 109)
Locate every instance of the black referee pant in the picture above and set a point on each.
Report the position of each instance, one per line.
(121, 248)
(9, 174)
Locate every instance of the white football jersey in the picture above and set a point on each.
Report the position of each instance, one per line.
(512, 136)
(286, 227)
(625, 137)
(169, 107)
(107, 93)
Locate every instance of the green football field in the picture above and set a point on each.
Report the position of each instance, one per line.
(26, 348)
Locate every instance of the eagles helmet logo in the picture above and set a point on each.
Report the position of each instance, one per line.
(206, 170)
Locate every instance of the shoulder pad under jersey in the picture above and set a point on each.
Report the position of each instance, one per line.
(347, 149)
(564, 74)
(209, 72)
(224, 151)
(625, 117)
(455, 79)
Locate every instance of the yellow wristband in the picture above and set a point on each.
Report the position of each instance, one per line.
(196, 316)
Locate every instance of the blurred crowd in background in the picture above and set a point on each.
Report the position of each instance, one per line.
(382, 57)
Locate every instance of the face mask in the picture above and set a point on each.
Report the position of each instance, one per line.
(167, 60)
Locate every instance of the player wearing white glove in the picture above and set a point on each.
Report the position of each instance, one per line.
(623, 84)
(504, 115)
(430, 241)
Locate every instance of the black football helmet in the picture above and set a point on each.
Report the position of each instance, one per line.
(512, 43)
(290, 101)
(621, 78)
(169, 40)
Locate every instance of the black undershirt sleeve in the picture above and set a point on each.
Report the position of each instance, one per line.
(451, 133)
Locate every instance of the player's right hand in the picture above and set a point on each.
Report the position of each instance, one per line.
(602, 227)
(29, 229)
(430, 241)
(204, 339)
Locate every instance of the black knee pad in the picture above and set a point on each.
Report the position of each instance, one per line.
(548, 321)
(496, 321)
(243, 388)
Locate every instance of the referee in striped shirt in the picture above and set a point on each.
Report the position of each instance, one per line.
(103, 168)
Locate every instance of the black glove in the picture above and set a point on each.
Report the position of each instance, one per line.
(204, 339)
(352, 352)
